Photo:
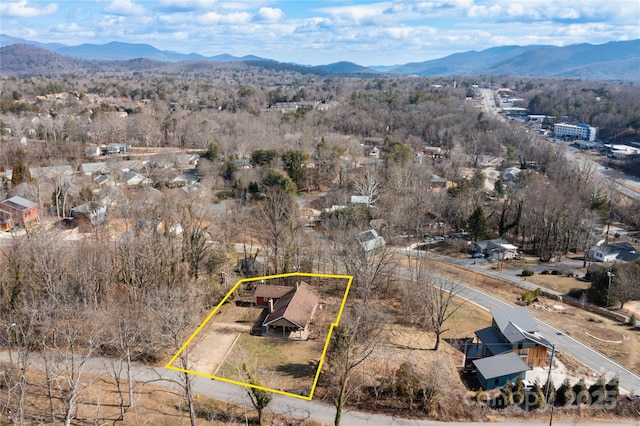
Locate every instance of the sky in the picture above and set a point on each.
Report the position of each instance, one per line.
(367, 32)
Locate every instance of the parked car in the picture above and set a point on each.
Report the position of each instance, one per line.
(477, 255)
(439, 238)
(428, 240)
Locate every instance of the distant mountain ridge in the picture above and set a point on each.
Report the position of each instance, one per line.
(616, 60)
(118, 51)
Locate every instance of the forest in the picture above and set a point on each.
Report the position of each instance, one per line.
(133, 289)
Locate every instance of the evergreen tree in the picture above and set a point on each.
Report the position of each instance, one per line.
(581, 392)
(518, 391)
(613, 391)
(263, 157)
(20, 169)
(212, 151)
(506, 393)
(477, 224)
(550, 391)
(293, 162)
(564, 394)
(539, 395)
(274, 177)
(398, 153)
(598, 391)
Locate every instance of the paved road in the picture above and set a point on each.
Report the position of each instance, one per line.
(564, 343)
(297, 408)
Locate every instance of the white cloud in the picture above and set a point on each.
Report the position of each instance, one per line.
(234, 18)
(269, 14)
(22, 9)
(359, 13)
(484, 11)
(124, 8)
(185, 5)
(72, 29)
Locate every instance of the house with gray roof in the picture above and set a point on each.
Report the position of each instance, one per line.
(89, 169)
(512, 330)
(370, 240)
(498, 248)
(89, 216)
(496, 371)
(17, 210)
(618, 252)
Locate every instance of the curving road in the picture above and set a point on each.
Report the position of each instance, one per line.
(629, 381)
(293, 407)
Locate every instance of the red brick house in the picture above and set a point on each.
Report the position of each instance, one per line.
(20, 210)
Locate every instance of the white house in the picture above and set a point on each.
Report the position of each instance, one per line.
(619, 252)
(370, 240)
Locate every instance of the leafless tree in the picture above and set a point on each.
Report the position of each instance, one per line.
(175, 313)
(196, 239)
(352, 343)
(439, 296)
(72, 338)
(278, 214)
(372, 270)
(368, 184)
(627, 282)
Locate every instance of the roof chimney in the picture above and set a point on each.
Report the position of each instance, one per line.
(270, 305)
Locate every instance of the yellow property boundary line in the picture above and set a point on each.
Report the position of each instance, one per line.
(334, 324)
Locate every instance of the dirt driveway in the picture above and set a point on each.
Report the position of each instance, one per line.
(211, 345)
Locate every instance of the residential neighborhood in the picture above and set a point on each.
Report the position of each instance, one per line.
(209, 241)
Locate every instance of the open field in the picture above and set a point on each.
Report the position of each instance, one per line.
(277, 363)
(560, 283)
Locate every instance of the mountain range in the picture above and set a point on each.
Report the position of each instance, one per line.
(616, 60)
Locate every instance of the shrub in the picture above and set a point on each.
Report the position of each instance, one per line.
(550, 389)
(527, 273)
(564, 394)
(518, 392)
(531, 296)
(506, 394)
(581, 392)
(632, 320)
(598, 391)
(613, 387)
(545, 272)
(539, 393)
(556, 272)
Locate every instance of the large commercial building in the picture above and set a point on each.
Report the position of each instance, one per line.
(577, 131)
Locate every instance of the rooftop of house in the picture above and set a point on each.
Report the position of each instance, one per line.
(272, 291)
(492, 340)
(19, 203)
(296, 306)
(616, 248)
(88, 207)
(501, 365)
(520, 317)
(367, 235)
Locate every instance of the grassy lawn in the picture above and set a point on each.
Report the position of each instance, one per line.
(276, 363)
(559, 283)
(467, 319)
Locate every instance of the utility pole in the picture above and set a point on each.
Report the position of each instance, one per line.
(609, 275)
(546, 391)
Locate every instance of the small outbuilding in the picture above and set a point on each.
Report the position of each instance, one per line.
(494, 372)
